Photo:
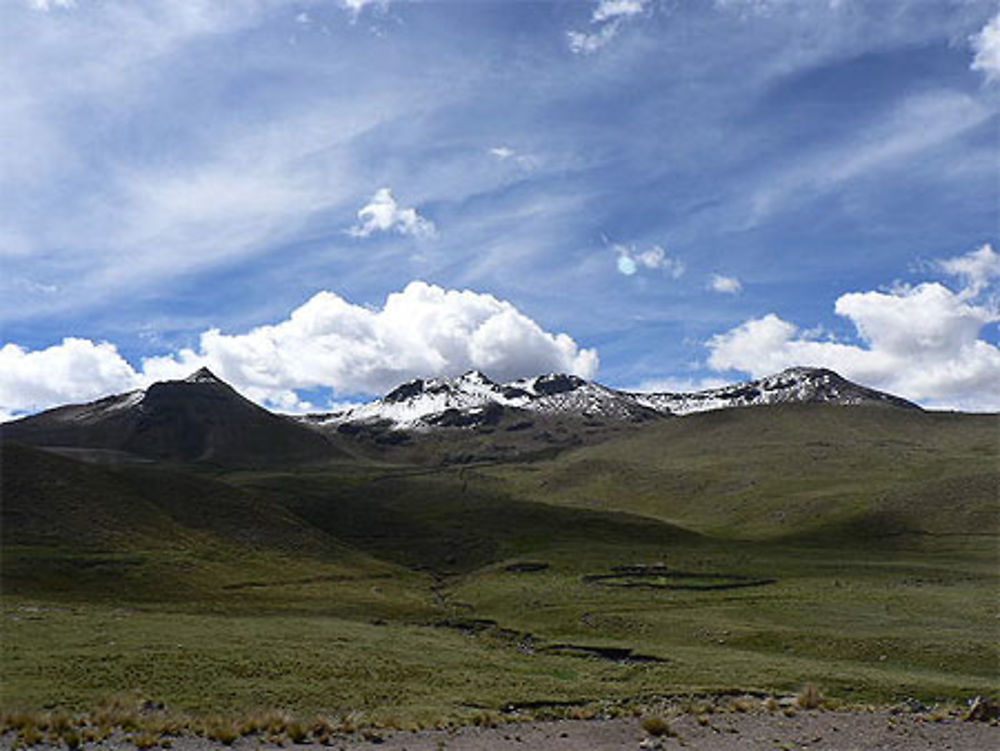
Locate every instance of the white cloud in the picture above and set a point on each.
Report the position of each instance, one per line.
(986, 45)
(383, 214)
(920, 342)
(678, 385)
(607, 17)
(355, 7)
(422, 331)
(74, 370)
(47, 5)
(977, 267)
(729, 285)
(609, 9)
(630, 261)
(505, 154)
(582, 43)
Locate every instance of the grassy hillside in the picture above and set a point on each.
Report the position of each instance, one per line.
(145, 533)
(793, 471)
(744, 550)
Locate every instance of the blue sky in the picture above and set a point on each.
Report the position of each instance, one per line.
(656, 193)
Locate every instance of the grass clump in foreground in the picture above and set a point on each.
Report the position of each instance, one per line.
(810, 697)
(656, 726)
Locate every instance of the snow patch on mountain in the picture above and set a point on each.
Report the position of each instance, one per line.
(420, 404)
(796, 384)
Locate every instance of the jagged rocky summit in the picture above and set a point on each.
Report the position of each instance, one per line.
(472, 399)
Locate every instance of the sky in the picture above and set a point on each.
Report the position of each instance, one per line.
(321, 199)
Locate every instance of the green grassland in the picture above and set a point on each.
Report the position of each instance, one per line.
(862, 546)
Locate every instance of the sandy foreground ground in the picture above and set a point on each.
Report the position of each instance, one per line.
(828, 730)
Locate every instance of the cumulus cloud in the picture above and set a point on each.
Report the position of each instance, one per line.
(607, 19)
(383, 214)
(921, 342)
(421, 331)
(729, 285)
(73, 370)
(631, 261)
(986, 45)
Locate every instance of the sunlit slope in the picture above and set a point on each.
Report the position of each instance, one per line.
(789, 471)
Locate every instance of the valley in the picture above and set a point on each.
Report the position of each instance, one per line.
(470, 572)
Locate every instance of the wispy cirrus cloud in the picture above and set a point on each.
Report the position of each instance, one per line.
(507, 154)
(918, 124)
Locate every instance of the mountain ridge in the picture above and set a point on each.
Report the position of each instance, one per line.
(202, 419)
(426, 403)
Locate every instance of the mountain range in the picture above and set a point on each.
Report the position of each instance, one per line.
(472, 398)
(203, 419)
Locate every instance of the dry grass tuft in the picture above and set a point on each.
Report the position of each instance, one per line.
(29, 735)
(486, 720)
(16, 720)
(220, 729)
(810, 697)
(656, 726)
(297, 732)
(145, 739)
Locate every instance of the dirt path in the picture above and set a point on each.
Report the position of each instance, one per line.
(829, 731)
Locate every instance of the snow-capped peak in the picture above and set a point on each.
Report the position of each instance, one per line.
(796, 384)
(421, 403)
(202, 375)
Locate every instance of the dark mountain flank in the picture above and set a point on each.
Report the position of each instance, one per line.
(198, 419)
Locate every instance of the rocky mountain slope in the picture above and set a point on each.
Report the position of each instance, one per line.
(473, 399)
(198, 419)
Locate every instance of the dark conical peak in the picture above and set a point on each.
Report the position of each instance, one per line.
(202, 375)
